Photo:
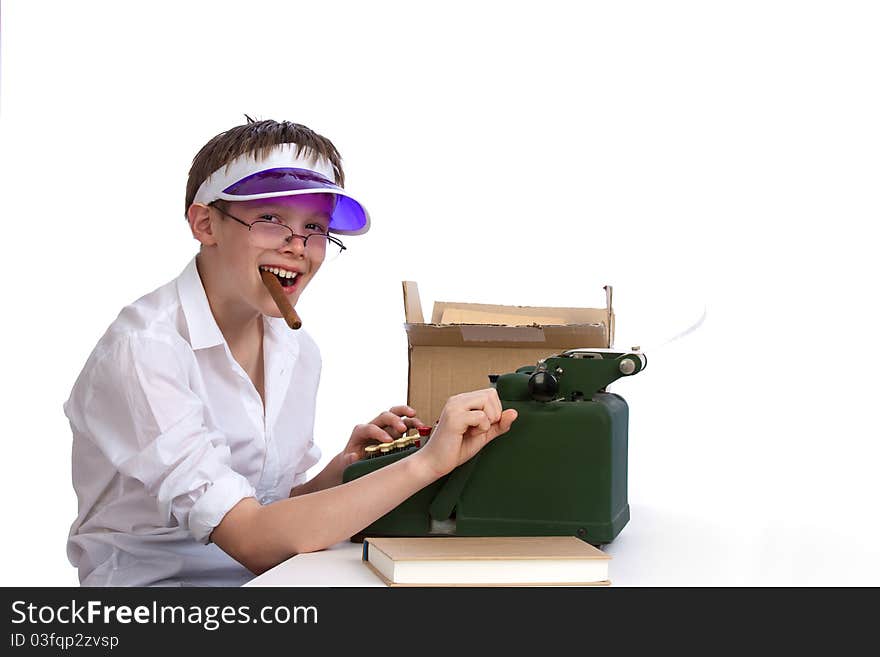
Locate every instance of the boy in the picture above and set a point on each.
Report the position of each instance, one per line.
(192, 419)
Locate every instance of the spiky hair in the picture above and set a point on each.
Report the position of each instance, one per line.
(258, 137)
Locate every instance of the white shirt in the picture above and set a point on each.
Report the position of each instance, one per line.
(169, 433)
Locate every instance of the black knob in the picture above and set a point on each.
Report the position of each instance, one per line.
(493, 378)
(543, 386)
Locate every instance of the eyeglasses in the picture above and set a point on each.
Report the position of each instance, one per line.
(270, 235)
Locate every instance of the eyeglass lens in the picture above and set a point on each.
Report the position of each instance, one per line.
(267, 235)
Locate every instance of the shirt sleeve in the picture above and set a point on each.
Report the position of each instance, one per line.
(312, 456)
(313, 453)
(142, 414)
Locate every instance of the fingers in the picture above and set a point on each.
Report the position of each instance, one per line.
(478, 422)
(397, 421)
(409, 411)
(413, 423)
(480, 425)
(503, 425)
(493, 404)
(483, 400)
(388, 420)
(370, 431)
(467, 423)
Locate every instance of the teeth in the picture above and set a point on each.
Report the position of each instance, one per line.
(280, 272)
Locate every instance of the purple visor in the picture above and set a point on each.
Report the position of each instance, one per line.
(349, 216)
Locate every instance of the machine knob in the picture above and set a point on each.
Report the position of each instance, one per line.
(543, 386)
(627, 366)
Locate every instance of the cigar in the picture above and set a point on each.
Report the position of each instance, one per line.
(275, 289)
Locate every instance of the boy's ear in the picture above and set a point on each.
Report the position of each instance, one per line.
(201, 224)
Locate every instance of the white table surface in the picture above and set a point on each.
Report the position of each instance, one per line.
(338, 565)
(668, 545)
(341, 565)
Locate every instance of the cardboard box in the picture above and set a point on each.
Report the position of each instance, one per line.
(466, 342)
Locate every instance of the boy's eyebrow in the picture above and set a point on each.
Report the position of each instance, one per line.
(280, 209)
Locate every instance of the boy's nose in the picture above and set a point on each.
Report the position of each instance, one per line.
(296, 245)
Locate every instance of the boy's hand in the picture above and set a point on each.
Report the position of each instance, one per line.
(467, 423)
(385, 427)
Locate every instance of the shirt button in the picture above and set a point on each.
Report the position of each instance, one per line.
(265, 499)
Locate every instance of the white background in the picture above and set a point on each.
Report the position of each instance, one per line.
(693, 154)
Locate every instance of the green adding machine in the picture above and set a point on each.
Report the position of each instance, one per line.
(560, 470)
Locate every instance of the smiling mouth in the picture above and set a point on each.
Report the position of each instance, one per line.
(287, 278)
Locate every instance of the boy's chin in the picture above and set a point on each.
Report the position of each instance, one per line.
(271, 310)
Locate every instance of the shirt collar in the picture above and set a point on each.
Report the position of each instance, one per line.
(282, 334)
(203, 329)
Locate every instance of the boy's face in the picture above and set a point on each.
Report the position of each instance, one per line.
(242, 259)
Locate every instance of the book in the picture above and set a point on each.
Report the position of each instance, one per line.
(486, 561)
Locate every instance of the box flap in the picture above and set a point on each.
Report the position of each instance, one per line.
(610, 310)
(466, 342)
(551, 337)
(412, 304)
(479, 313)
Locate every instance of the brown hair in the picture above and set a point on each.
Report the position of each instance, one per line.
(258, 136)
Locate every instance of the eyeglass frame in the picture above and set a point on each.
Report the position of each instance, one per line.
(305, 238)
